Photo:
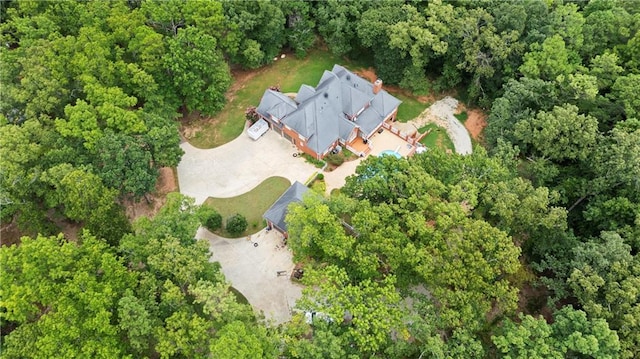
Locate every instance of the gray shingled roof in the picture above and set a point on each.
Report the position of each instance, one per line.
(369, 120)
(276, 104)
(384, 103)
(277, 213)
(320, 112)
(305, 93)
(353, 100)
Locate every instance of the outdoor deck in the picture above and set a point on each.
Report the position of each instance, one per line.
(359, 146)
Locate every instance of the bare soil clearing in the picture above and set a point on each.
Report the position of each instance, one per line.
(9, 234)
(476, 121)
(167, 182)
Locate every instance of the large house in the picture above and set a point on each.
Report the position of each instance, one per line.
(343, 110)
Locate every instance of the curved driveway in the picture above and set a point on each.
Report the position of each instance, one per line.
(238, 166)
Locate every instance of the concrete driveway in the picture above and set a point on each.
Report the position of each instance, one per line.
(239, 166)
(253, 270)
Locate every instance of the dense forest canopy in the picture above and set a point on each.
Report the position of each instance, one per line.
(421, 257)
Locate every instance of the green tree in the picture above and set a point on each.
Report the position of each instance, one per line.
(337, 23)
(315, 231)
(625, 90)
(210, 218)
(605, 278)
(82, 197)
(577, 335)
(549, 60)
(136, 322)
(184, 335)
(571, 335)
(368, 310)
(299, 26)
(123, 164)
(63, 298)
(521, 100)
(236, 224)
(606, 69)
(531, 338)
(560, 134)
(261, 31)
(239, 340)
(607, 24)
(197, 70)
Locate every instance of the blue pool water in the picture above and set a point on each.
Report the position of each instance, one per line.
(389, 153)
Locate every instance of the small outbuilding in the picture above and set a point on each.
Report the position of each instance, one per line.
(277, 213)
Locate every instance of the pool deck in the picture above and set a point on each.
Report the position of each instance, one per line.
(388, 141)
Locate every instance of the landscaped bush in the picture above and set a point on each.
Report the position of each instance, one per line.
(251, 114)
(319, 187)
(314, 161)
(236, 224)
(320, 177)
(210, 218)
(335, 159)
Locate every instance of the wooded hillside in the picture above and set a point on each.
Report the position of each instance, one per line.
(528, 248)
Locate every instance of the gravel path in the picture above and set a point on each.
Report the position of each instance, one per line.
(441, 113)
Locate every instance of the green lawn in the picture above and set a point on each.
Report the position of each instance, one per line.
(289, 73)
(462, 116)
(436, 138)
(252, 204)
(410, 107)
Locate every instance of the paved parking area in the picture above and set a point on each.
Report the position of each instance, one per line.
(239, 166)
(253, 270)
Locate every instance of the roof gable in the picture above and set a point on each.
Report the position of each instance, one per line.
(384, 103)
(276, 104)
(277, 213)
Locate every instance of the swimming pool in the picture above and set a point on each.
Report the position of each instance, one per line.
(390, 153)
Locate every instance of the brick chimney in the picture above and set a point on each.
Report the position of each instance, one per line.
(377, 86)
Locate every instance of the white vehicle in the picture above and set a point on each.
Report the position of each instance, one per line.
(258, 129)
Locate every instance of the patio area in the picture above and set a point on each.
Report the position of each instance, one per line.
(388, 141)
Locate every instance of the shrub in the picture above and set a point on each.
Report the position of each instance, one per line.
(316, 162)
(335, 159)
(251, 114)
(320, 176)
(236, 224)
(319, 187)
(210, 218)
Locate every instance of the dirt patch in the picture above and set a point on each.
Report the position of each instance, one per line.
(9, 234)
(149, 206)
(533, 301)
(476, 121)
(240, 79)
(368, 74)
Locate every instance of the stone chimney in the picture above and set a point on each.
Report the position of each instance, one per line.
(377, 86)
